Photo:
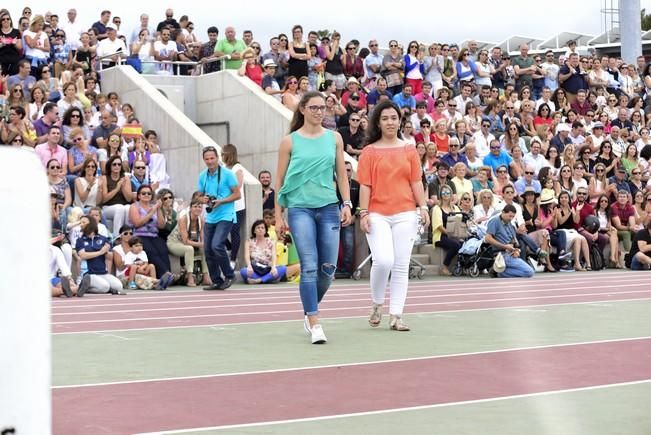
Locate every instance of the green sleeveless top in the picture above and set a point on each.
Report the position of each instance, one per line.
(309, 181)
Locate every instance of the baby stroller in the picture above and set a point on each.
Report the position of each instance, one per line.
(416, 268)
(474, 255)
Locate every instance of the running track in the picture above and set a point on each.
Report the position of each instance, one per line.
(249, 398)
(141, 310)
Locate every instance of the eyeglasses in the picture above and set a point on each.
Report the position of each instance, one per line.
(579, 167)
(6, 19)
(465, 198)
(544, 109)
(54, 167)
(165, 198)
(78, 139)
(315, 109)
(59, 36)
(354, 119)
(452, 105)
(127, 233)
(350, 48)
(453, 145)
(255, 47)
(17, 139)
(393, 45)
(495, 147)
(636, 173)
(75, 115)
(510, 107)
(146, 193)
(354, 98)
(528, 172)
(586, 152)
(599, 170)
(566, 170)
(582, 193)
(116, 164)
(18, 90)
(292, 82)
(139, 167)
(502, 171)
(372, 45)
(509, 192)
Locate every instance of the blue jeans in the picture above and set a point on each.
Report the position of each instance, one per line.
(638, 265)
(215, 250)
(316, 235)
(516, 267)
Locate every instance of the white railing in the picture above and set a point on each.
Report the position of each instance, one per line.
(175, 64)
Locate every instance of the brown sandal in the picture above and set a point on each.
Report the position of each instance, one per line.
(376, 316)
(396, 324)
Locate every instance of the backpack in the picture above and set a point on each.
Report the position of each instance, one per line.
(596, 258)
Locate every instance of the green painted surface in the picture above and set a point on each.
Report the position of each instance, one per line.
(134, 355)
(622, 410)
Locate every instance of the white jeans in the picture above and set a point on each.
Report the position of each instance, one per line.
(104, 283)
(58, 262)
(391, 240)
(117, 213)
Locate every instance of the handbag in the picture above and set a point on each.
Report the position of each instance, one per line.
(260, 269)
(456, 228)
(499, 265)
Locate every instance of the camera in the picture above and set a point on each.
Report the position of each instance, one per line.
(211, 203)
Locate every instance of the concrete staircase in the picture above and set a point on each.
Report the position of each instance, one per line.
(430, 257)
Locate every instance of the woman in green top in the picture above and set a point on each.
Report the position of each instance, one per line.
(166, 198)
(308, 159)
(629, 160)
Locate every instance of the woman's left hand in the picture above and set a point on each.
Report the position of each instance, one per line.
(346, 216)
(274, 271)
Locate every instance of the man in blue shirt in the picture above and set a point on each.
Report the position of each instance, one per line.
(219, 188)
(501, 235)
(405, 98)
(497, 156)
(527, 181)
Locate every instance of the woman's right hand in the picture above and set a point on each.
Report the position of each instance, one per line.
(365, 224)
(281, 225)
(249, 271)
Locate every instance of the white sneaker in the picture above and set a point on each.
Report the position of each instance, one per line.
(306, 326)
(233, 265)
(318, 336)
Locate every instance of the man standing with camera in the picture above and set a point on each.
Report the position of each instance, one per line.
(219, 188)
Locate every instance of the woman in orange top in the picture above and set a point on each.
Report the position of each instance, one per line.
(391, 198)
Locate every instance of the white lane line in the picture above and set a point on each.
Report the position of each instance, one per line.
(258, 313)
(443, 313)
(356, 364)
(105, 334)
(295, 302)
(439, 285)
(393, 410)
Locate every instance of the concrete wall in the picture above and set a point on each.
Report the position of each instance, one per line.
(257, 121)
(180, 138)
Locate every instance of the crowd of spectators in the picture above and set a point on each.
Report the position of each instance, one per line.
(572, 130)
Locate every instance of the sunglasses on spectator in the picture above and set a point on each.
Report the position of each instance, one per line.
(75, 115)
(599, 170)
(579, 167)
(581, 193)
(292, 82)
(127, 233)
(55, 167)
(465, 198)
(372, 45)
(636, 173)
(502, 171)
(354, 120)
(165, 198)
(78, 139)
(146, 193)
(116, 164)
(393, 45)
(453, 145)
(17, 139)
(586, 152)
(139, 167)
(528, 172)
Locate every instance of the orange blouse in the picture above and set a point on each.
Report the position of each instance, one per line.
(389, 172)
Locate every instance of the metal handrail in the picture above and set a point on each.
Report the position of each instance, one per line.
(175, 63)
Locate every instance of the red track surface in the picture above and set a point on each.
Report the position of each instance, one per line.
(240, 399)
(159, 310)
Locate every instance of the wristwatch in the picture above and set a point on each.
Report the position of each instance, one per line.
(349, 204)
